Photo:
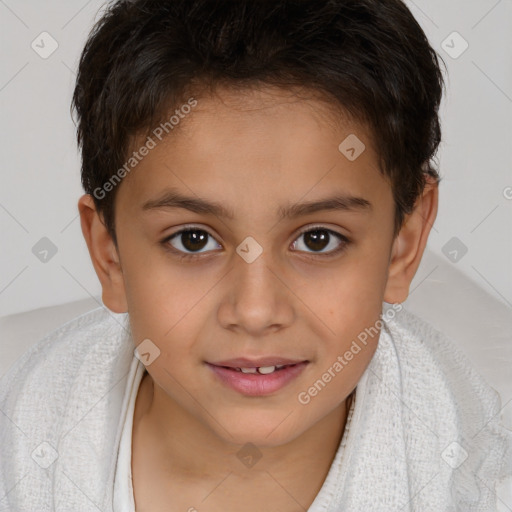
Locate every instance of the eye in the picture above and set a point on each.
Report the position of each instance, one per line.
(319, 238)
(191, 239)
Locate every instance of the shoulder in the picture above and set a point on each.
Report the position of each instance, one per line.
(61, 397)
(413, 336)
(444, 392)
(434, 365)
(64, 371)
(59, 354)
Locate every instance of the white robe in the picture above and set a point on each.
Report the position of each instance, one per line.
(425, 432)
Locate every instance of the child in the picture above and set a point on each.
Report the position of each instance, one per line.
(259, 195)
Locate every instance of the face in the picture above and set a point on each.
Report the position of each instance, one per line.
(248, 268)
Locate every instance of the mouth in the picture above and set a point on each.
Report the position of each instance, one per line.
(257, 362)
(257, 380)
(262, 370)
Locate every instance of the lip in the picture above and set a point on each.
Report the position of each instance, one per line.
(251, 384)
(244, 362)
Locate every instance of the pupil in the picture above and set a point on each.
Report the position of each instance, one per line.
(194, 240)
(318, 238)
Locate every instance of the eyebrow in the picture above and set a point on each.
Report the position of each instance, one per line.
(340, 202)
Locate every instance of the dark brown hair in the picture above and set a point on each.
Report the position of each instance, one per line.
(370, 58)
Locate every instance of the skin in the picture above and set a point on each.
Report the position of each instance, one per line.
(252, 152)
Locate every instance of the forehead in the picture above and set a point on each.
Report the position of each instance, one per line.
(259, 146)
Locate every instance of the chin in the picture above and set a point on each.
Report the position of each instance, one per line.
(270, 430)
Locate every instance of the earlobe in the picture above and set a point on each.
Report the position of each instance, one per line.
(104, 256)
(409, 245)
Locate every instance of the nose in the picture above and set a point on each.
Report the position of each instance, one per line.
(257, 299)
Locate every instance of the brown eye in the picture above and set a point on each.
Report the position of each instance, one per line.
(190, 240)
(316, 240)
(193, 240)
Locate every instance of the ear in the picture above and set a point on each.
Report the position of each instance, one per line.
(104, 255)
(410, 243)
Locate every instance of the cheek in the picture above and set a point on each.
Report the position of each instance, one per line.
(354, 305)
(160, 292)
(168, 306)
(354, 292)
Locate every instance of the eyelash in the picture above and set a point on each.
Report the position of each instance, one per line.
(190, 256)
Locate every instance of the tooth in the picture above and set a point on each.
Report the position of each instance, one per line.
(279, 366)
(249, 370)
(266, 369)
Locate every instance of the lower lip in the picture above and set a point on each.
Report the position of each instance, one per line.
(256, 384)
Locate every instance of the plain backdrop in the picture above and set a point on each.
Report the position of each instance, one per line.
(40, 173)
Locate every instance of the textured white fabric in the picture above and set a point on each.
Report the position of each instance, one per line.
(69, 397)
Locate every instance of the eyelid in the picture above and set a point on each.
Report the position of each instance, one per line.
(189, 227)
(313, 227)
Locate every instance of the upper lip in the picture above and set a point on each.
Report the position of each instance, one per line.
(243, 362)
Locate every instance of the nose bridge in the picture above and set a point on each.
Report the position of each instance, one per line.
(254, 280)
(259, 298)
